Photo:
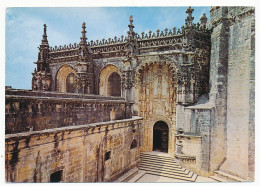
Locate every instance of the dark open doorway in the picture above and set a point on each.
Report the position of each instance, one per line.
(160, 136)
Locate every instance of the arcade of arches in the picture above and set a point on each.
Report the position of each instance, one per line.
(110, 80)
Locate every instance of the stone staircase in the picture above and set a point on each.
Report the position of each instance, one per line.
(162, 164)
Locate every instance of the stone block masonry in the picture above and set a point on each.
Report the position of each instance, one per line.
(29, 110)
(99, 152)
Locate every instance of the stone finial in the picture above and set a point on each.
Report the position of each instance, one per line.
(189, 10)
(142, 35)
(83, 32)
(158, 32)
(131, 19)
(131, 26)
(44, 36)
(45, 29)
(174, 30)
(189, 19)
(166, 31)
(150, 34)
(203, 19)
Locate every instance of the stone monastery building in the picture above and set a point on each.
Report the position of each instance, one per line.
(96, 108)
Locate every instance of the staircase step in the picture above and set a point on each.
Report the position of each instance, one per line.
(157, 156)
(218, 178)
(170, 170)
(163, 164)
(228, 177)
(156, 164)
(159, 159)
(147, 169)
(190, 179)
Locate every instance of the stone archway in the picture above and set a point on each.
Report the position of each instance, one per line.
(110, 81)
(63, 77)
(160, 136)
(157, 93)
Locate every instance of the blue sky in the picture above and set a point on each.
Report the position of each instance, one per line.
(24, 28)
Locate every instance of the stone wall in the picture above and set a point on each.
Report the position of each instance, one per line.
(240, 93)
(29, 110)
(193, 142)
(88, 153)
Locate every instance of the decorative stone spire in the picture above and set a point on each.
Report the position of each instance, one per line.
(42, 63)
(203, 19)
(189, 19)
(131, 27)
(132, 40)
(41, 79)
(44, 36)
(83, 32)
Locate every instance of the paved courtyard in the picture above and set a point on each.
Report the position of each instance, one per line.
(153, 178)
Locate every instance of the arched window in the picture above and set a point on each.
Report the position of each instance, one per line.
(114, 84)
(70, 83)
(133, 144)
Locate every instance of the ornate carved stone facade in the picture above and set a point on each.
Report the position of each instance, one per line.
(175, 78)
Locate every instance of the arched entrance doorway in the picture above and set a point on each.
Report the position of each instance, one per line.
(114, 84)
(160, 136)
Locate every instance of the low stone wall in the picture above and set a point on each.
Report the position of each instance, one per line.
(30, 110)
(193, 143)
(99, 152)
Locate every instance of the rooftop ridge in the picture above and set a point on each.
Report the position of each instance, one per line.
(64, 47)
(158, 34)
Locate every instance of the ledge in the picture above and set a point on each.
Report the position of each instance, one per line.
(186, 136)
(72, 128)
(185, 157)
(52, 94)
(19, 97)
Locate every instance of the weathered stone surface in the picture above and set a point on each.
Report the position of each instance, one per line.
(197, 81)
(79, 151)
(26, 110)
